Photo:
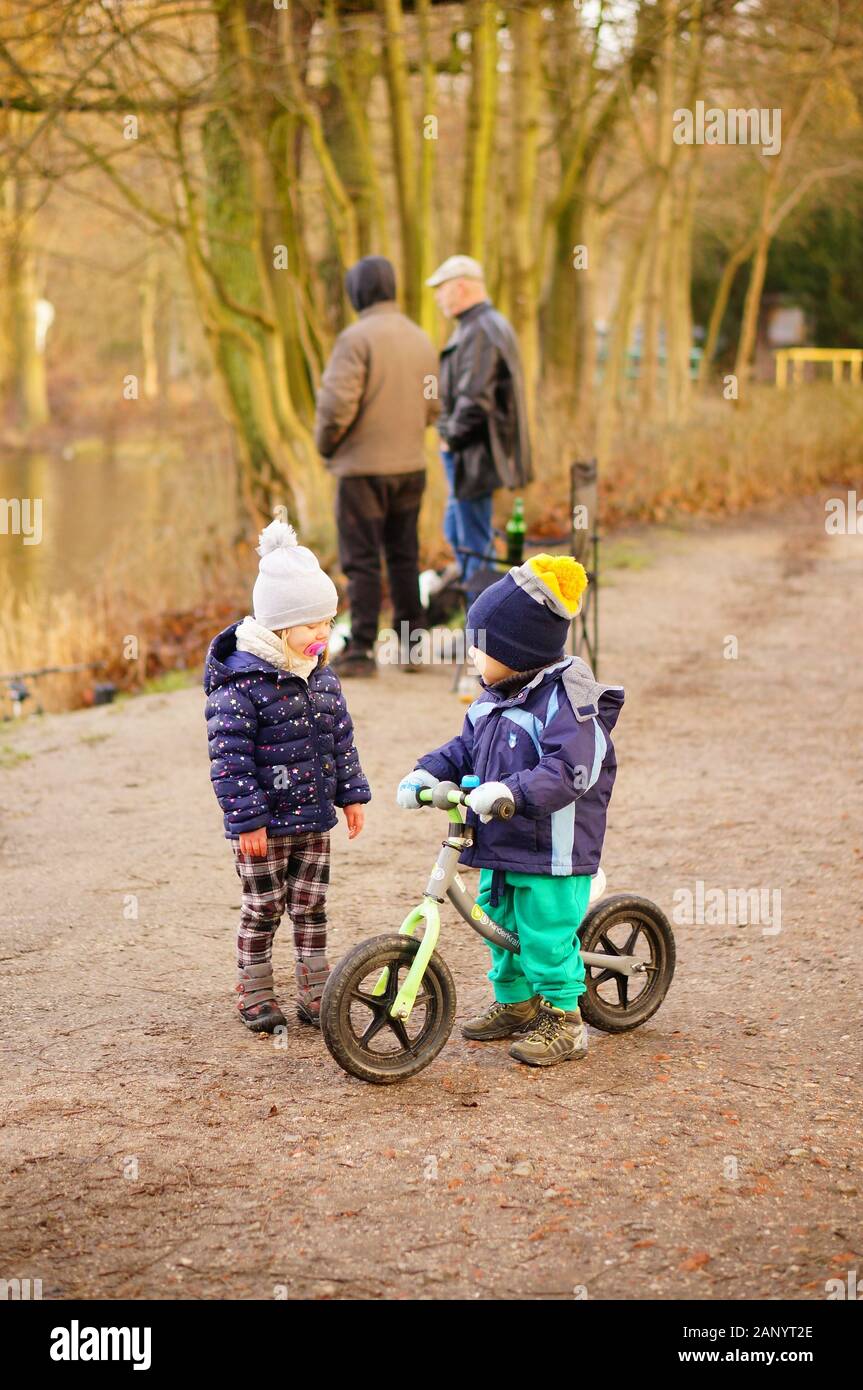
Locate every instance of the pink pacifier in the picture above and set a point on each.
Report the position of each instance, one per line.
(315, 648)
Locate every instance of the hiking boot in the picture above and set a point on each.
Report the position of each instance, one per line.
(312, 975)
(256, 999)
(501, 1020)
(354, 661)
(559, 1036)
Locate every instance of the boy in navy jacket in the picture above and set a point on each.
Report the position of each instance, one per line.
(540, 733)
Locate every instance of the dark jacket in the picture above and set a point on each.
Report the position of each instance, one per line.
(282, 750)
(550, 743)
(483, 418)
(379, 391)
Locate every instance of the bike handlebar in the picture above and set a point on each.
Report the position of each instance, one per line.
(502, 809)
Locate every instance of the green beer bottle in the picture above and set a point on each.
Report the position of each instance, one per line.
(515, 533)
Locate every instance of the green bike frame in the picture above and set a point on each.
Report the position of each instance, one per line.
(446, 882)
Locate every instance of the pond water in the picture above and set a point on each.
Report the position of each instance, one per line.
(140, 511)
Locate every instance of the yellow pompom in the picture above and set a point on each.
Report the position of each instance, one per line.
(562, 576)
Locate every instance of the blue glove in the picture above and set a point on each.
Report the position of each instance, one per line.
(406, 796)
(482, 798)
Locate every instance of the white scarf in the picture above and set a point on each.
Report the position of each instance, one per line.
(252, 637)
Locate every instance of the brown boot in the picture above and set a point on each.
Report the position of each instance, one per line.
(354, 661)
(312, 975)
(501, 1020)
(256, 999)
(558, 1036)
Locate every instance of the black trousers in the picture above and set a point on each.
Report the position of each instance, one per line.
(375, 514)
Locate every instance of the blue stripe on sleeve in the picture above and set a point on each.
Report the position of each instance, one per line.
(599, 753)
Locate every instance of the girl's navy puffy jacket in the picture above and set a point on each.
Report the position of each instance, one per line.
(282, 750)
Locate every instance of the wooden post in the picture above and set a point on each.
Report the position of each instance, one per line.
(782, 369)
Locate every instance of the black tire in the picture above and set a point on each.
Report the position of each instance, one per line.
(626, 925)
(347, 1012)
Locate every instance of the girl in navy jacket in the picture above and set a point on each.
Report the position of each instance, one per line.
(282, 758)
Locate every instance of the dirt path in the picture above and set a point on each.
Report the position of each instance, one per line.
(153, 1148)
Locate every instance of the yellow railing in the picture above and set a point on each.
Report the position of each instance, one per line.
(838, 356)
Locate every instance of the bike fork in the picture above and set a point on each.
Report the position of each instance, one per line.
(427, 912)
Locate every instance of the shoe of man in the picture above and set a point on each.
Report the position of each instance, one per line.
(558, 1036)
(354, 661)
(501, 1020)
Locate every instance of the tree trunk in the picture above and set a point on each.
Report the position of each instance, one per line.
(425, 208)
(613, 378)
(679, 320)
(659, 266)
(482, 103)
(404, 153)
(349, 133)
(752, 302)
(526, 24)
(150, 326)
(254, 316)
(720, 304)
(26, 382)
(679, 310)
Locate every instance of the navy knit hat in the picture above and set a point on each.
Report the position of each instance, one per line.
(522, 621)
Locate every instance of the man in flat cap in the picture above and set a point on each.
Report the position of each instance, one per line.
(483, 420)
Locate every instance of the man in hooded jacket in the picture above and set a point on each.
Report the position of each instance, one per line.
(377, 396)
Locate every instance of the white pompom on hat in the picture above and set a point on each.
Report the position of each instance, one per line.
(291, 588)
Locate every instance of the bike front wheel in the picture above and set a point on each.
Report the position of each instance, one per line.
(355, 1020)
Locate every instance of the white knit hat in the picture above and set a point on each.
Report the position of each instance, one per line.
(291, 587)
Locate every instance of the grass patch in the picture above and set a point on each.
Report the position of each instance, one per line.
(11, 757)
(623, 555)
(169, 681)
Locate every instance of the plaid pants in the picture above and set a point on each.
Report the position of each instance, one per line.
(292, 878)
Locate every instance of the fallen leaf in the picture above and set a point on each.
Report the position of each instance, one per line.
(696, 1261)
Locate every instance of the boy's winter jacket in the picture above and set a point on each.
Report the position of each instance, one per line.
(282, 751)
(550, 743)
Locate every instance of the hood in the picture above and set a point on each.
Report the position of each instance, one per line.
(588, 696)
(371, 281)
(224, 661)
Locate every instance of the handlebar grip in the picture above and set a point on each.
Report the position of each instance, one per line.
(503, 808)
(442, 795)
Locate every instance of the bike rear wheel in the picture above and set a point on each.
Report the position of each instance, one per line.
(355, 1021)
(626, 925)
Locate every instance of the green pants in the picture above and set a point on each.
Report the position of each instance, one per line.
(545, 912)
